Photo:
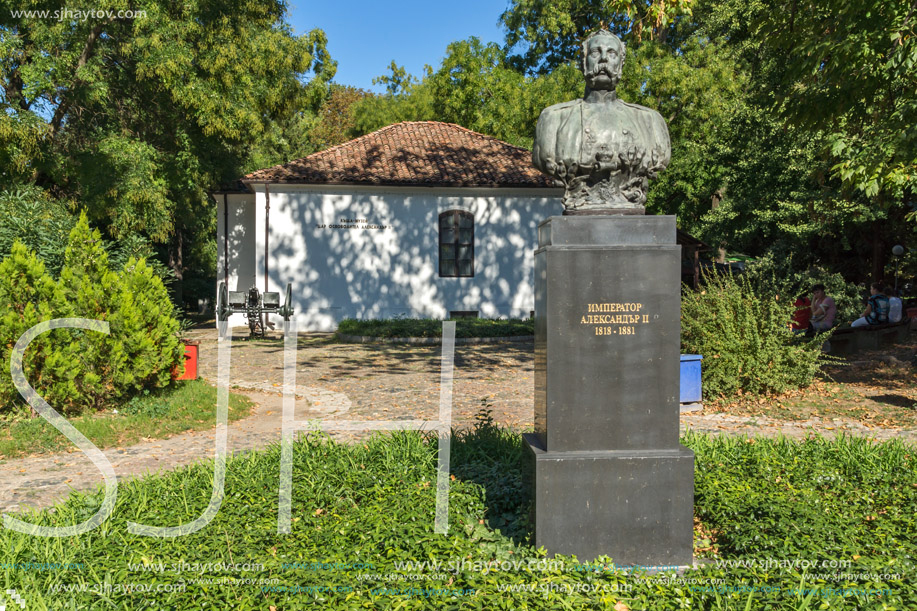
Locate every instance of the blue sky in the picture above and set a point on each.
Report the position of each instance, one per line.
(364, 36)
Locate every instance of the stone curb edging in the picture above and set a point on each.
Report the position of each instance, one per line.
(371, 339)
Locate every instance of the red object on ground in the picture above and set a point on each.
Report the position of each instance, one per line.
(912, 313)
(191, 347)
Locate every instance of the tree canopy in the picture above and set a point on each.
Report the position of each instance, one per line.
(135, 115)
(548, 33)
(850, 75)
(791, 123)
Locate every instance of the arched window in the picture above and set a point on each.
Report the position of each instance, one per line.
(456, 244)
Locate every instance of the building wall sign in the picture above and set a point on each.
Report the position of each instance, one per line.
(352, 224)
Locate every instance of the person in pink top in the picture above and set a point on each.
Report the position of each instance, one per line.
(824, 310)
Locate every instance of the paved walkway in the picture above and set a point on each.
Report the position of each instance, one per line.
(39, 481)
(354, 382)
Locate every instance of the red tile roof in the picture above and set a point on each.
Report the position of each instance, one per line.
(417, 153)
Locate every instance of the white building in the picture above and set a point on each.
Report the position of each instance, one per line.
(419, 219)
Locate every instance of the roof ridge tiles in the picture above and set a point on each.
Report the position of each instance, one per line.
(425, 153)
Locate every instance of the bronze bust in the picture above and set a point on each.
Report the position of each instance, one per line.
(603, 150)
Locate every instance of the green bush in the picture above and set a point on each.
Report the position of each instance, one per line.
(136, 247)
(37, 220)
(147, 339)
(745, 340)
(429, 327)
(75, 369)
(43, 224)
(31, 297)
(776, 275)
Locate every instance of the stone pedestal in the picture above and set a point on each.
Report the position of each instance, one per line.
(610, 477)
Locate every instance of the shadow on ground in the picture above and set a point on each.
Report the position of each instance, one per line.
(380, 359)
(496, 459)
(896, 400)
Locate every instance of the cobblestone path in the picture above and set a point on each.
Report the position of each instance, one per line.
(353, 382)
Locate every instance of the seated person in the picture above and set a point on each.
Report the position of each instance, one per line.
(824, 310)
(895, 306)
(876, 312)
(802, 315)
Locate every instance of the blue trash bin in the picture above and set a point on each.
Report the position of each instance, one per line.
(690, 389)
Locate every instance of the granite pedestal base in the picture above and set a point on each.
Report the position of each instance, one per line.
(634, 506)
(610, 476)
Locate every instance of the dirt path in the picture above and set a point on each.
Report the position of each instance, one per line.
(356, 382)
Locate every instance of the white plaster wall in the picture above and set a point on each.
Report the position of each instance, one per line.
(241, 208)
(380, 273)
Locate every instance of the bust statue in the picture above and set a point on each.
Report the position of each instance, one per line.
(603, 150)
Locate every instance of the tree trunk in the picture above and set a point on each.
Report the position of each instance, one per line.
(879, 254)
(175, 263)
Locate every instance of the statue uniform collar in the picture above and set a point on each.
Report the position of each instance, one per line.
(594, 96)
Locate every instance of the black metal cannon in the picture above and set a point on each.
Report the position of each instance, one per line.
(255, 305)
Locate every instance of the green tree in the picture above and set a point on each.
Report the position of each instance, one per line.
(335, 117)
(474, 87)
(145, 344)
(410, 100)
(785, 192)
(398, 81)
(849, 73)
(88, 287)
(548, 33)
(697, 89)
(37, 220)
(138, 116)
(781, 197)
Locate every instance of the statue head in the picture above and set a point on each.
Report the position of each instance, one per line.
(603, 60)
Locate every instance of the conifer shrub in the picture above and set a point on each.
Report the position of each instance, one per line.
(147, 329)
(29, 297)
(745, 340)
(74, 369)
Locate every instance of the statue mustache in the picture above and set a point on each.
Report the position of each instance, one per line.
(602, 69)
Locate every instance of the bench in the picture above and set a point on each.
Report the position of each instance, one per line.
(872, 337)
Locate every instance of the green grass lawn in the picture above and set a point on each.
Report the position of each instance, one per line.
(835, 518)
(427, 327)
(183, 406)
